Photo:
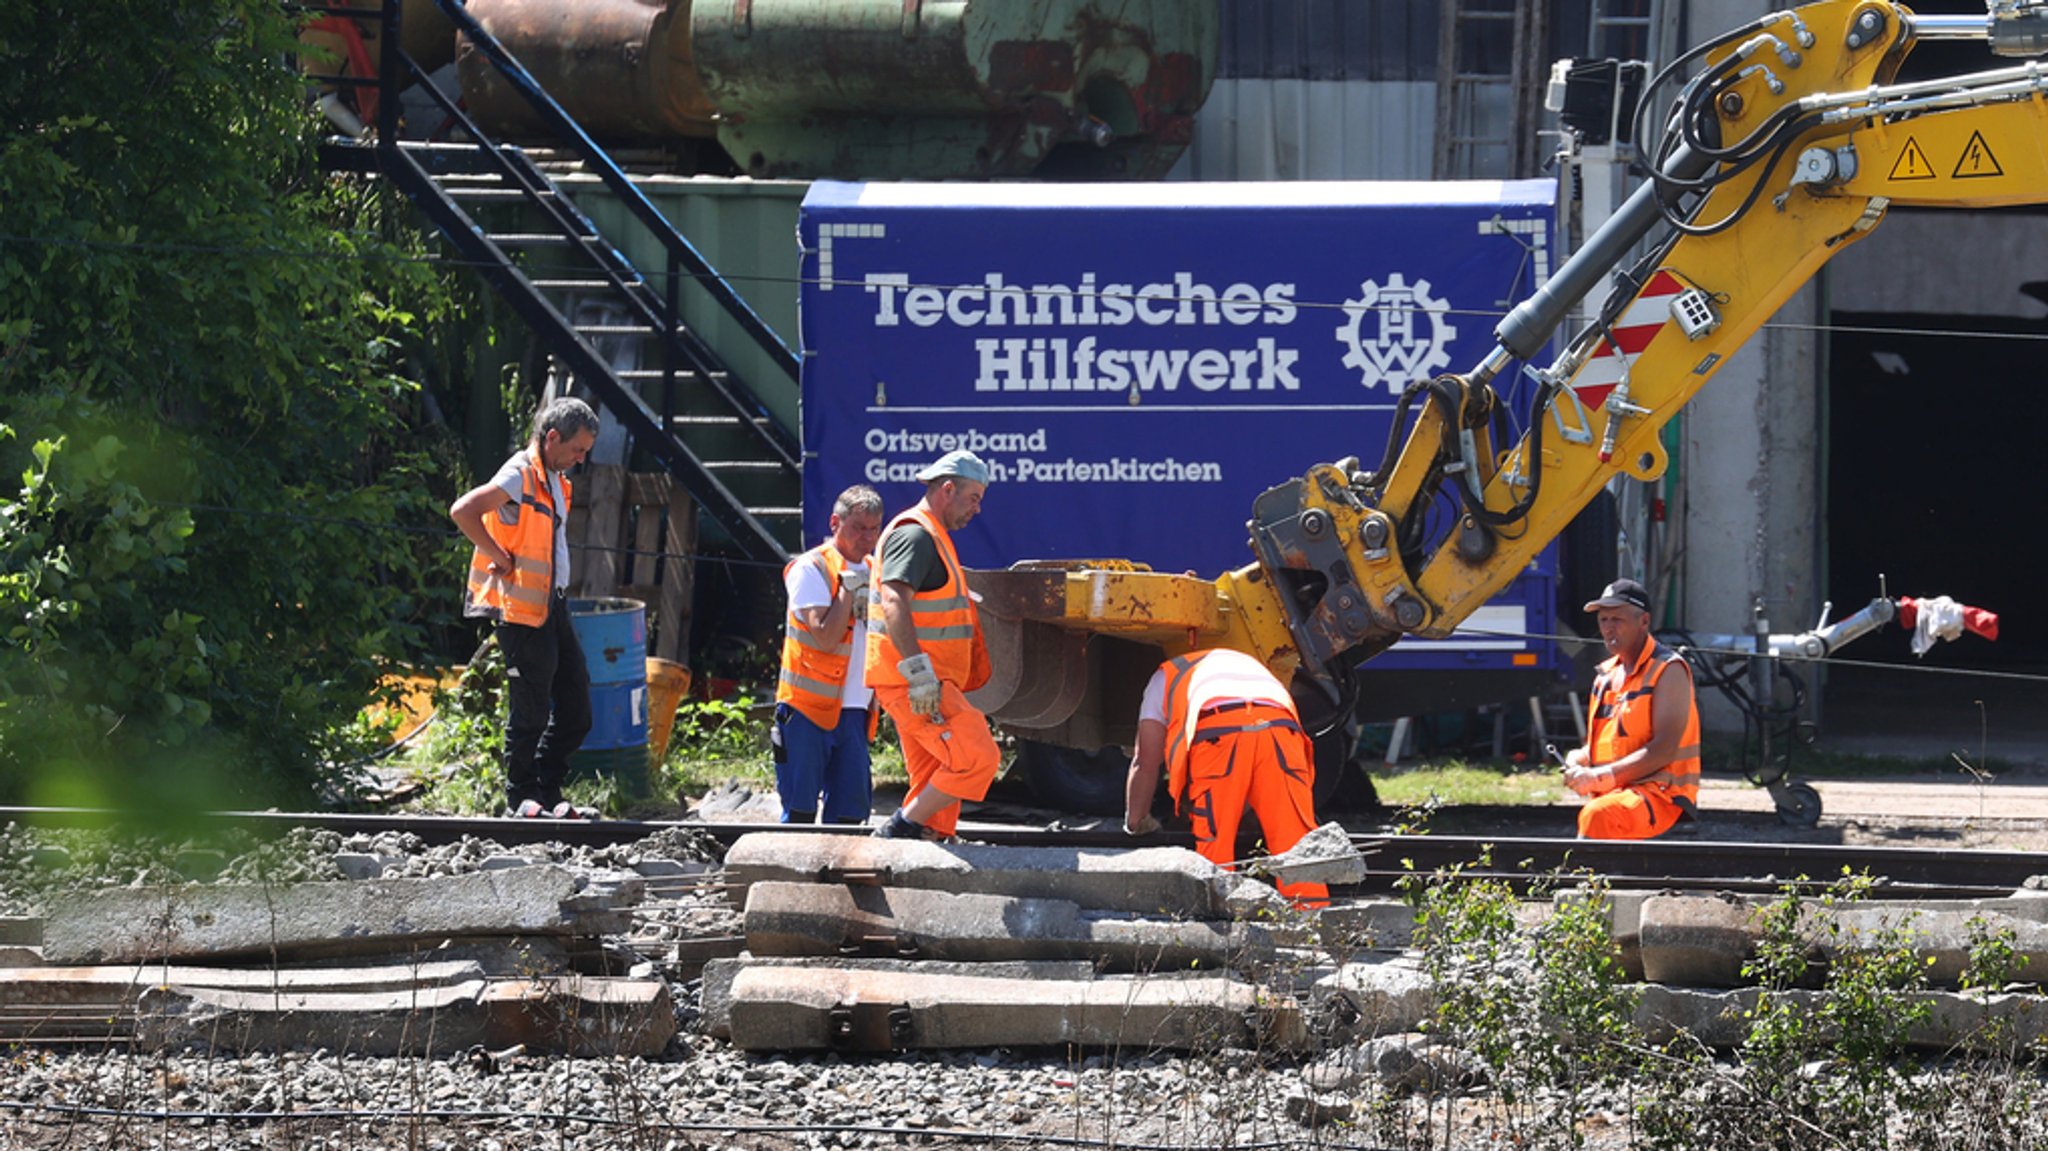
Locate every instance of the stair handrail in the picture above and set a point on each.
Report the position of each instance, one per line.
(614, 178)
(614, 265)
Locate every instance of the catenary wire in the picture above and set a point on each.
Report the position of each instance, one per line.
(545, 270)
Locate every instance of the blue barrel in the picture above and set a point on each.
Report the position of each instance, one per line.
(613, 633)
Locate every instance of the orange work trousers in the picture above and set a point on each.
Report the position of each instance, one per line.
(957, 755)
(1270, 769)
(1628, 813)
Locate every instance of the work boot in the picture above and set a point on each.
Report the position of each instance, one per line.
(531, 809)
(900, 826)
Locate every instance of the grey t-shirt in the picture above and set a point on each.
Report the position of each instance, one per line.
(510, 481)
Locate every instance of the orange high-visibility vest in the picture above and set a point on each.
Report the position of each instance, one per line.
(814, 664)
(524, 527)
(1198, 679)
(946, 624)
(1618, 721)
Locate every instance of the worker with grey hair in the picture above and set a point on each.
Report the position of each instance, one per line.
(519, 577)
(824, 712)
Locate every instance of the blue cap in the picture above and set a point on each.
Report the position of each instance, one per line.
(961, 464)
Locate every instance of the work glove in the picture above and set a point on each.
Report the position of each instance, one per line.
(854, 581)
(923, 679)
(1145, 825)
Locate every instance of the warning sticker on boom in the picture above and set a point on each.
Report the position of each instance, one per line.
(1977, 160)
(1912, 163)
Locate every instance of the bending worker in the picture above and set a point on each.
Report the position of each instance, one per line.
(1226, 734)
(1641, 762)
(823, 717)
(519, 576)
(925, 652)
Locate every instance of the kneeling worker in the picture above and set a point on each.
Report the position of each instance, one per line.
(1226, 734)
(1641, 763)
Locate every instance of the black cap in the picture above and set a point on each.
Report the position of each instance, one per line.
(1622, 593)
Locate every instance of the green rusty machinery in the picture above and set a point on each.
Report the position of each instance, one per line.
(874, 89)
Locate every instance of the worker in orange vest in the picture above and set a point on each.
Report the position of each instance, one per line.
(925, 651)
(1226, 735)
(519, 577)
(824, 716)
(1640, 767)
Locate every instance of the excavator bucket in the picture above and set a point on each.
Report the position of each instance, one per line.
(1073, 643)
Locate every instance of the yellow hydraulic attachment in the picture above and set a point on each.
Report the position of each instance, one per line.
(1789, 141)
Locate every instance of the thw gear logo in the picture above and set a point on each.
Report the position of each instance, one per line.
(1396, 333)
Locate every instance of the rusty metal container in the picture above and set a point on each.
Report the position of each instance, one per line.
(621, 68)
(955, 88)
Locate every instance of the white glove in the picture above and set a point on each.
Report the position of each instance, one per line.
(1146, 825)
(854, 581)
(925, 691)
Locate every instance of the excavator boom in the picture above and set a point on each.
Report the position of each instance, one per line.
(1788, 141)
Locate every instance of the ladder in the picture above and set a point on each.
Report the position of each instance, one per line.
(1489, 78)
(608, 325)
(1631, 30)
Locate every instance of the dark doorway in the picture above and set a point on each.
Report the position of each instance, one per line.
(1934, 480)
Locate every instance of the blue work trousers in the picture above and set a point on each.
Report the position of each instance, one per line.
(819, 763)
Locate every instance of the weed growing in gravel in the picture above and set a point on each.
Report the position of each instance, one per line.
(1544, 1010)
(1824, 1057)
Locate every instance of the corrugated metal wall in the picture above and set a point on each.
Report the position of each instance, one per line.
(1344, 89)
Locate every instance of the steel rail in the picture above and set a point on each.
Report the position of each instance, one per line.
(1525, 861)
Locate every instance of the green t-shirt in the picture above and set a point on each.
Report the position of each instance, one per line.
(910, 555)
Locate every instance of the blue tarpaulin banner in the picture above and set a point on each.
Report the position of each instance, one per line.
(1138, 362)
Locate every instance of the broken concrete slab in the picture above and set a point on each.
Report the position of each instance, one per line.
(424, 1022)
(580, 1015)
(1955, 1020)
(1325, 855)
(716, 999)
(136, 924)
(786, 1009)
(43, 1004)
(98, 984)
(834, 919)
(1704, 941)
(1375, 924)
(1386, 996)
(1148, 881)
(21, 930)
(1696, 941)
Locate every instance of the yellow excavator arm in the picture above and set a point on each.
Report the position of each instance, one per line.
(1787, 142)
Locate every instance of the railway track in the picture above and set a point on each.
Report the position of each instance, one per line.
(1689, 863)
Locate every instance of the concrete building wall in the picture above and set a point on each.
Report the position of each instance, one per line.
(1750, 525)
(1945, 263)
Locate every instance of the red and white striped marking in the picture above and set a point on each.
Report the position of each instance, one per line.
(1637, 325)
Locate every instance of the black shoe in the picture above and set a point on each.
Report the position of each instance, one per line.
(530, 809)
(899, 826)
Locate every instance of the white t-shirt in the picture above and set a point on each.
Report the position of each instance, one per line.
(807, 587)
(1242, 680)
(510, 480)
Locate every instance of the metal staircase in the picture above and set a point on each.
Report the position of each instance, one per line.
(585, 301)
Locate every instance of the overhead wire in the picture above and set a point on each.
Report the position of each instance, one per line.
(544, 270)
